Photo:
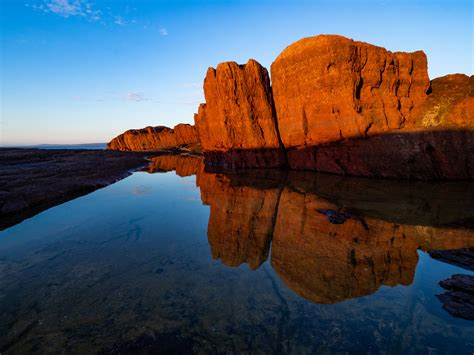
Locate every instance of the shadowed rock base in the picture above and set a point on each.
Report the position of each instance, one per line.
(433, 155)
(418, 155)
(244, 159)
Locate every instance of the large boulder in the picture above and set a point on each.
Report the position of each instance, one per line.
(436, 142)
(154, 138)
(329, 88)
(352, 108)
(237, 125)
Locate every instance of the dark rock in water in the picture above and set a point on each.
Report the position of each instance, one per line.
(460, 257)
(459, 300)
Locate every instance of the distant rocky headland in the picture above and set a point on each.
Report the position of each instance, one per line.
(333, 105)
(154, 138)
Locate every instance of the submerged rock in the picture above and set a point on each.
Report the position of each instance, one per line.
(334, 217)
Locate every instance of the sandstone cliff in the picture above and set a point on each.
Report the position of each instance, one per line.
(352, 108)
(341, 106)
(236, 125)
(330, 88)
(436, 142)
(154, 138)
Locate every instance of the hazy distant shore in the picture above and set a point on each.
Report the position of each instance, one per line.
(101, 146)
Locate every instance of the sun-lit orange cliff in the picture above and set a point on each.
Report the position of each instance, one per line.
(236, 125)
(154, 138)
(340, 106)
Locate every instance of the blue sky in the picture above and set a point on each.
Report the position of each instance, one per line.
(78, 71)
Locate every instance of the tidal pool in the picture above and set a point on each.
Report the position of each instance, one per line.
(265, 261)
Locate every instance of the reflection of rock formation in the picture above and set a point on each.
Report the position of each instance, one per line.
(241, 220)
(332, 237)
(439, 204)
(322, 261)
(327, 262)
(183, 165)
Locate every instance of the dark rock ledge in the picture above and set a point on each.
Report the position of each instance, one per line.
(33, 180)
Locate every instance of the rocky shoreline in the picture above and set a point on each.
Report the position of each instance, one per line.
(33, 180)
(333, 105)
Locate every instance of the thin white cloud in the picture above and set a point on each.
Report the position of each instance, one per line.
(119, 20)
(163, 31)
(69, 8)
(111, 96)
(191, 95)
(136, 97)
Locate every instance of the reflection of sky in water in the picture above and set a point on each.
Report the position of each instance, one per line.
(132, 262)
(141, 190)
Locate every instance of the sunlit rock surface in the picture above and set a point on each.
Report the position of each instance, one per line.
(330, 88)
(154, 138)
(352, 108)
(236, 125)
(340, 106)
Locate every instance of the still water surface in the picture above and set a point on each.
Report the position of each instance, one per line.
(261, 262)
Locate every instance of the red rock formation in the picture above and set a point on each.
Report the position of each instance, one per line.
(329, 88)
(437, 141)
(238, 117)
(154, 138)
(185, 134)
(450, 105)
(352, 108)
